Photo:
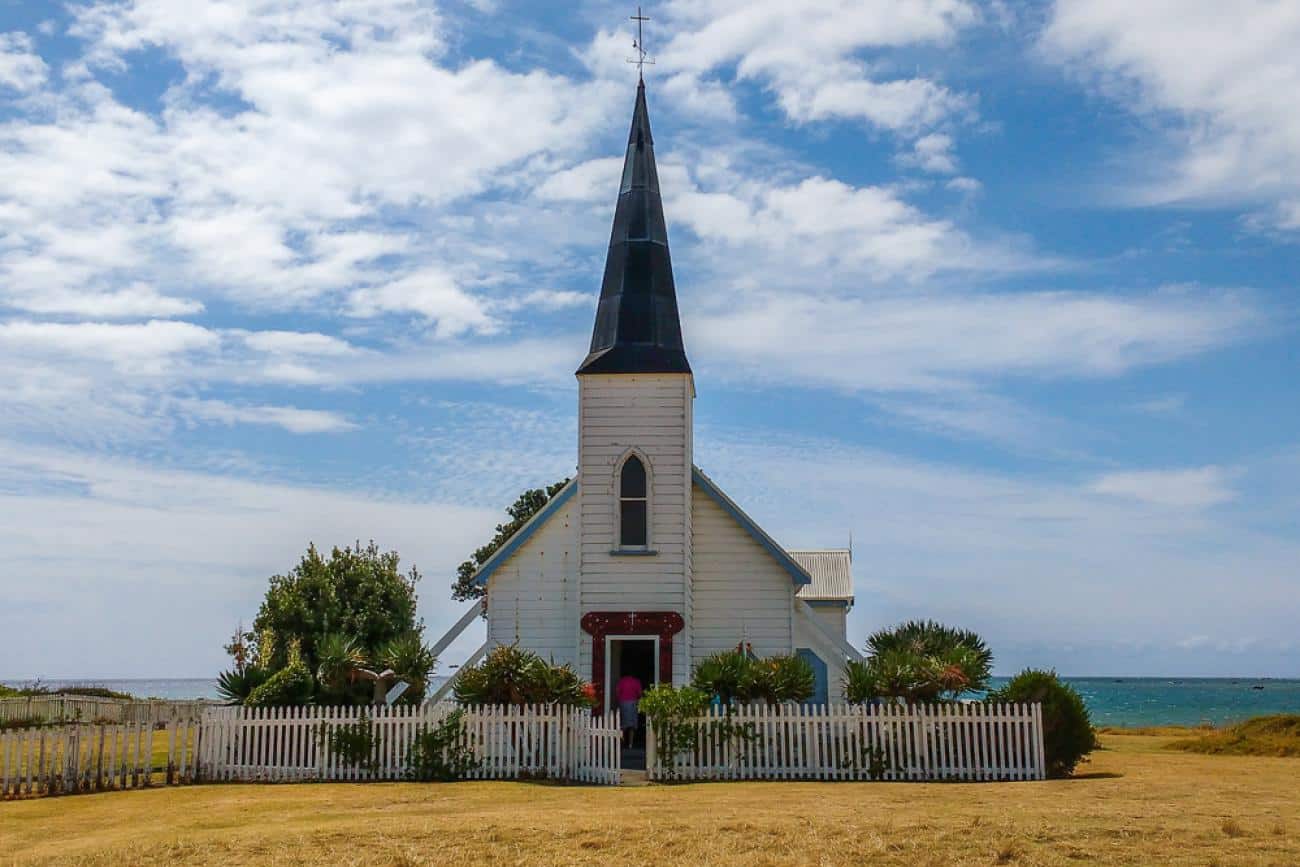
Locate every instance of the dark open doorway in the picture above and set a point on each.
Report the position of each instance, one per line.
(634, 657)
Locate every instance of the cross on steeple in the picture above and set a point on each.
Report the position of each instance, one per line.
(639, 45)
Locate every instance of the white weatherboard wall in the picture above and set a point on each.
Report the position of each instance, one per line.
(651, 415)
(819, 643)
(533, 595)
(833, 617)
(740, 592)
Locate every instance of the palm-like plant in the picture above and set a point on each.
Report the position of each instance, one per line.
(512, 675)
(784, 678)
(338, 657)
(237, 685)
(919, 661)
(958, 658)
(411, 660)
(730, 675)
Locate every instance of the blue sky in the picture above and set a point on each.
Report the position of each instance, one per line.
(1006, 292)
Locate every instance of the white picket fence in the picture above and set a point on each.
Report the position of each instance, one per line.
(510, 742)
(971, 741)
(88, 709)
(94, 758)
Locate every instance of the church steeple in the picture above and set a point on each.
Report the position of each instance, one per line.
(637, 329)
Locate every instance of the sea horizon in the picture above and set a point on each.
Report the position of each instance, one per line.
(1112, 700)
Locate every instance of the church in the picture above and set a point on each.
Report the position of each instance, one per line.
(642, 564)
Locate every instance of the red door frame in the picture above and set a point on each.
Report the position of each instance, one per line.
(599, 624)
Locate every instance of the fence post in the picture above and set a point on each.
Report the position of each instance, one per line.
(651, 748)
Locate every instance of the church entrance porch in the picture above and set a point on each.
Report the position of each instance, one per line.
(634, 656)
(620, 641)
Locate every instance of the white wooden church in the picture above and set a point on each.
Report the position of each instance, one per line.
(642, 564)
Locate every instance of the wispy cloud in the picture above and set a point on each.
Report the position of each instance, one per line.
(1218, 79)
(1194, 488)
(291, 418)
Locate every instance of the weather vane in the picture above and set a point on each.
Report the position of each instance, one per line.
(639, 45)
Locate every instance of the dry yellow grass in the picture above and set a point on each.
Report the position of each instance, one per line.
(1136, 803)
(1277, 735)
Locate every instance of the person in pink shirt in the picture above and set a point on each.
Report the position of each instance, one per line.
(628, 692)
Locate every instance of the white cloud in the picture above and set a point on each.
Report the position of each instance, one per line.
(431, 293)
(21, 69)
(1221, 79)
(820, 223)
(1195, 488)
(133, 302)
(548, 299)
(592, 181)
(291, 418)
(807, 53)
(191, 551)
(931, 342)
(939, 539)
(964, 185)
(932, 153)
(268, 175)
(296, 343)
(146, 348)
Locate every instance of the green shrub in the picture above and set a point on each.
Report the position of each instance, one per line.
(88, 691)
(439, 752)
(291, 685)
(355, 745)
(673, 712)
(512, 675)
(1068, 735)
(95, 692)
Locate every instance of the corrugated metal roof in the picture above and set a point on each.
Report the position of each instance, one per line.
(831, 571)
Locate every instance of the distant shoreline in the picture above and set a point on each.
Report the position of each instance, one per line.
(1114, 702)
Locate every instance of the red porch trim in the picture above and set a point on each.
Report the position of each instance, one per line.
(599, 624)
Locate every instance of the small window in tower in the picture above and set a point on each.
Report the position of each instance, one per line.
(632, 504)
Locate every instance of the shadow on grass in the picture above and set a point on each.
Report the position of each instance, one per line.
(1096, 775)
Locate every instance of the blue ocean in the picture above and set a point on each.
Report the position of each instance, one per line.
(1113, 701)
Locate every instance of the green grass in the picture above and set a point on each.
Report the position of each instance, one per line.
(1262, 736)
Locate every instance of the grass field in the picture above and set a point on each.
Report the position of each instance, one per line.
(1135, 803)
(1277, 735)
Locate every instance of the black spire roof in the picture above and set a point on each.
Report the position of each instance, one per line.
(637, 330)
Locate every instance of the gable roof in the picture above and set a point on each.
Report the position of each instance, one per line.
(524, 533)
(803, 576)
(832, 575)
(798, 574)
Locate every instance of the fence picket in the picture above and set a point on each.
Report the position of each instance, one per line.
(970, 741)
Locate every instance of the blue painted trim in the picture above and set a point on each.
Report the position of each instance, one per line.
(821, 682)
(797, 572)
(524, 533)
(632, 552)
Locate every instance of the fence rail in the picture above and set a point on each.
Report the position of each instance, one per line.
(855, 742)
(88, 709)
(510, 742)
(96, 758)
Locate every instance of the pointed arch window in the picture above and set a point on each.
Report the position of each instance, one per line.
(633, 505)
